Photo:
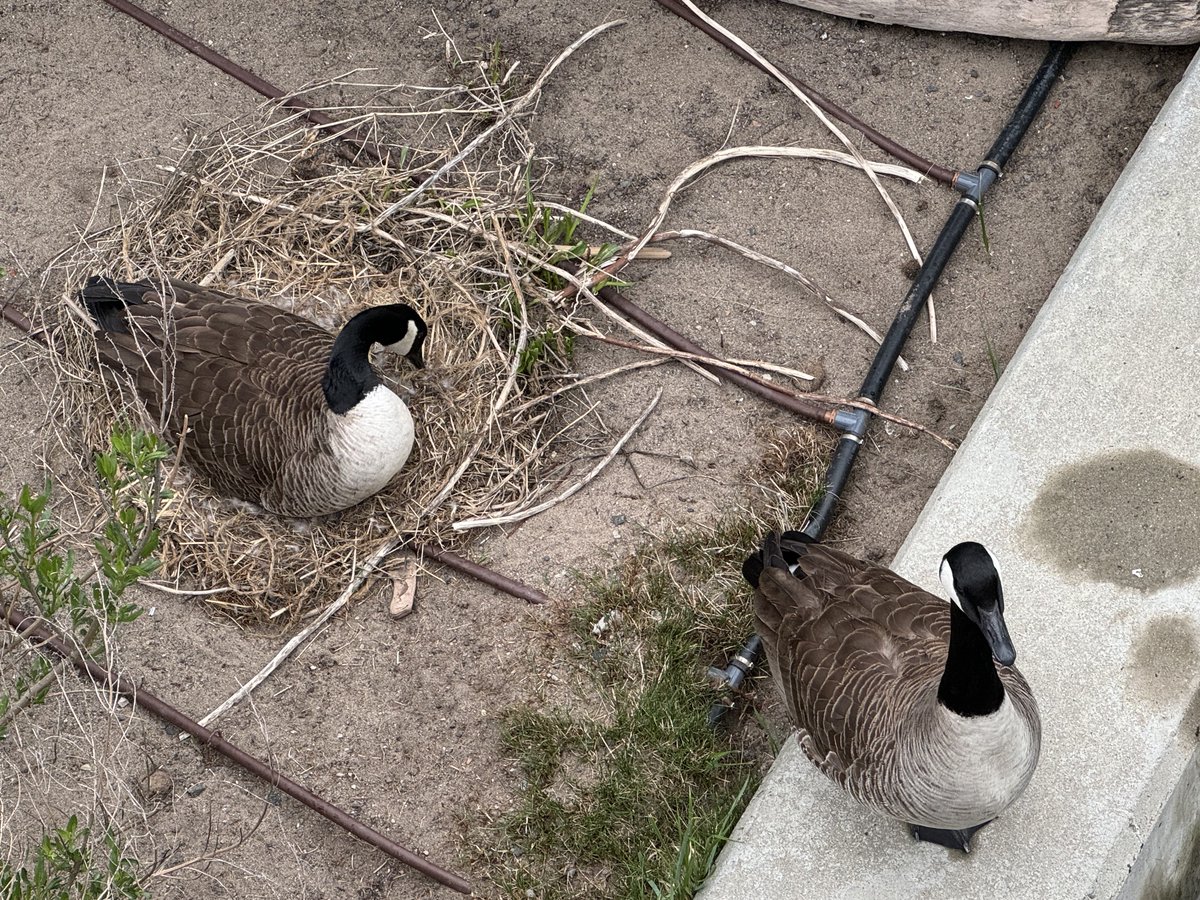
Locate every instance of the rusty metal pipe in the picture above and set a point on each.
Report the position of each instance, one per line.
(482, 573)
(29, 628)
(880, 140)
(789, 401)
(244, 75)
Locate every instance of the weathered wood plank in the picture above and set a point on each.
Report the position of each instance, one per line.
(1136, 21)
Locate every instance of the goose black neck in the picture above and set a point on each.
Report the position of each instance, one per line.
(349, 376)
(970, 685)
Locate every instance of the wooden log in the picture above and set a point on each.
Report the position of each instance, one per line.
(1134, 21)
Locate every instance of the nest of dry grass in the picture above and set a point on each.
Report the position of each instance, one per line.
(272, 209)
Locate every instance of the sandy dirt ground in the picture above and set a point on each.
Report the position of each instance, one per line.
(397, 721)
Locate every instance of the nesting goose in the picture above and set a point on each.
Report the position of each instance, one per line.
(278, 411)
(910, 703)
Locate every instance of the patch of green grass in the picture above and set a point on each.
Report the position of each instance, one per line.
(629, 792)
(559, 344)
(554, 231)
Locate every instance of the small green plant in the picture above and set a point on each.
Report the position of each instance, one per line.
(992, 358)
(554, 231)
(630, 793)
(494, 71)
(131, 488)
(70, 863)
(65, 868)
(557, 343)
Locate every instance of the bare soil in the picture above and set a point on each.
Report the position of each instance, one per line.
(397, 721)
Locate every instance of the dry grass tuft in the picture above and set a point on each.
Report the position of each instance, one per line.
(272, 210)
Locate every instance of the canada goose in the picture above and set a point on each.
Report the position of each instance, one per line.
(278, 412)
(910, 703)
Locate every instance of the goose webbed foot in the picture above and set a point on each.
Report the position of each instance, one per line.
(955, 839)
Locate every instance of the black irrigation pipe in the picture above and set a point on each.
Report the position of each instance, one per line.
(248, 78)
(882, 141)
(838, 472)
(947, 241)
(31, 629)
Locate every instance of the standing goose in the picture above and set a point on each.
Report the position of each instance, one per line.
(278, 411)
(910, 703)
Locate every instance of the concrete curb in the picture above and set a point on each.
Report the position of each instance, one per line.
(1101, 388)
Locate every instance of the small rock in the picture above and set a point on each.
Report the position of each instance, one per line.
(404, 589)
(931, 88)
(196, 789)
(157, 785)
(875, 70)
(957, 358)
(618, 519)
(974, 73)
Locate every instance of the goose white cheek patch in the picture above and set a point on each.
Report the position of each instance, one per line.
(946, 576)
(405, 344)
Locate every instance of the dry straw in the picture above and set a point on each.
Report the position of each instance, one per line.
(273, 210)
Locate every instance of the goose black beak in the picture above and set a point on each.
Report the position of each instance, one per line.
(415, 357)
(995, 632)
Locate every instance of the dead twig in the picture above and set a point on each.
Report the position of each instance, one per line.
(509, 112)
(768, 67)
(521, 515)
(360, 575)
(778, 266)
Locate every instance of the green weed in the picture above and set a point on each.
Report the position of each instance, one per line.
(70, 863)
(629, 792)
(987, 247)
(66, 867)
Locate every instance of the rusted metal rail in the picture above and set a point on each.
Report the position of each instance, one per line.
(32, 630)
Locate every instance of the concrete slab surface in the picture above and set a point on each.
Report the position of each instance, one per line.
(1080, 475)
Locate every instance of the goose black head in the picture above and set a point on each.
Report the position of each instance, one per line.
(400, 329)
(349, 377)
(971, 577)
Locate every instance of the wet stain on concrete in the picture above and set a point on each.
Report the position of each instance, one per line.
(1130, 518)
(1164, 659)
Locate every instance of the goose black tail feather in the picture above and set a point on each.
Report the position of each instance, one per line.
(106, 300)
(777, 551)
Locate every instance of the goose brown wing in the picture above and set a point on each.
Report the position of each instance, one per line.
(848, 643)
(244, 376)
